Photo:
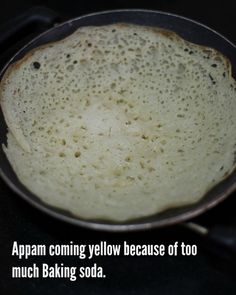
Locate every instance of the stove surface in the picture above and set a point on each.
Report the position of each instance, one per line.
(207, 273)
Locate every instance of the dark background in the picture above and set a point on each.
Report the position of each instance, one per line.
(208, 273)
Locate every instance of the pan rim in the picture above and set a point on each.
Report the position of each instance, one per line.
(68, 22)
(110, 227)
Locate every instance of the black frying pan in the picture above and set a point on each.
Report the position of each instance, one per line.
(188, 29)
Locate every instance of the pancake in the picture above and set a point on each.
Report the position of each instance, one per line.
(120, 122)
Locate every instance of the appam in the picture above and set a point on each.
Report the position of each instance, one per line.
(120, 122)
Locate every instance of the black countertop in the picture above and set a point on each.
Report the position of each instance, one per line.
(205, 273)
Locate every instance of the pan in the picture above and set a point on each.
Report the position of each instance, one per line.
(189, 30)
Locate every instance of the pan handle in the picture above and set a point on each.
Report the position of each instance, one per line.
(14, 33)
(223, 237)
(26, 22)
